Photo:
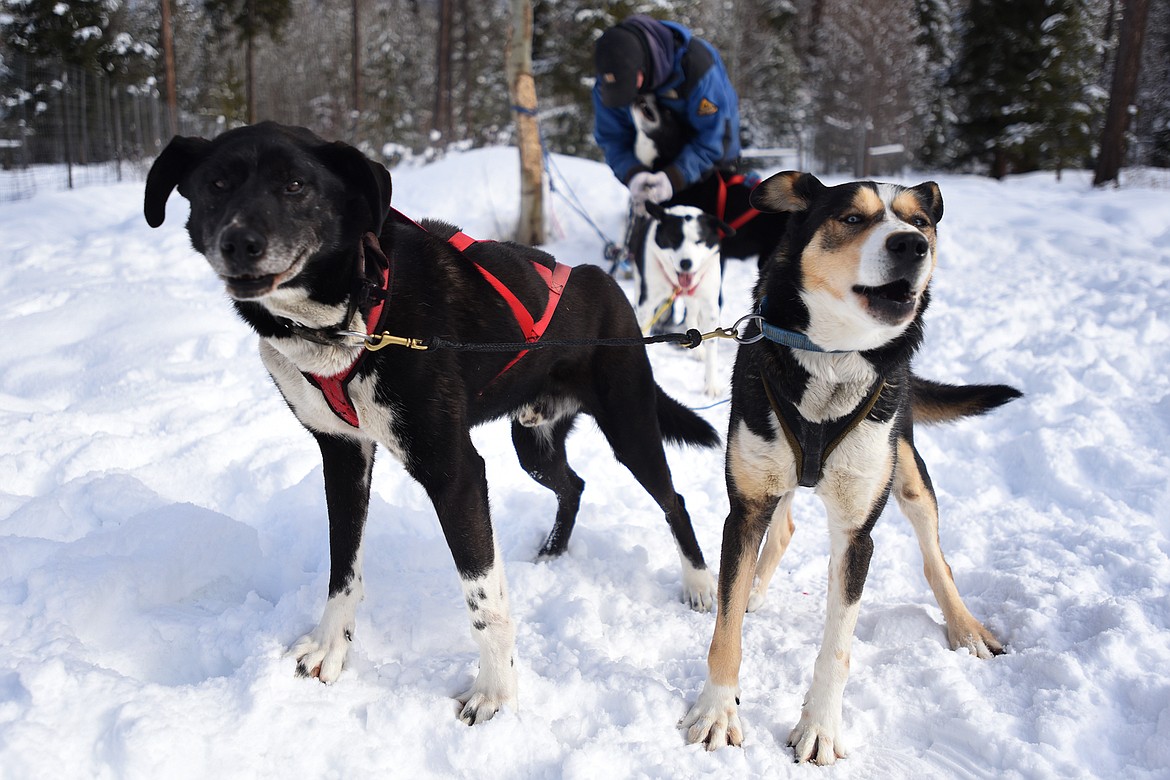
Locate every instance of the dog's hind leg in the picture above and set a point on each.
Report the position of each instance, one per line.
(347, 465)
(633, 434)
(541, 450)
(915, 495)
(776, 543)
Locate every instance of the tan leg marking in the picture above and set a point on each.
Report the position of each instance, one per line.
(726, 653)
(775, 545)
(918, 504)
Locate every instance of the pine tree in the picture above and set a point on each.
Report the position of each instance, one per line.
(1151, 127)
(936, 113)
(761, 61)
(63, 60)
(397, 60)
(250, 19)
(1025, 76)
(867, 89)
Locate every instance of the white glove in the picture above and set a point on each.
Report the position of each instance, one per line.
(653, 187)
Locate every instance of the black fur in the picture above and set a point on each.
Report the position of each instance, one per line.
(288, 188)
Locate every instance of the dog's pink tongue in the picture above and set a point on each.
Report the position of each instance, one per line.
(686, 280)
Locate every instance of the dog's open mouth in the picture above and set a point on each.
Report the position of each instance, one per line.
(247, 286)
(686, 279)
(891, 302)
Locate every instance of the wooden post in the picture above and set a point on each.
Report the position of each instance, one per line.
(522, 88)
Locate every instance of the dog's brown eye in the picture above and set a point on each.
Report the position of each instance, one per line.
(294, 186)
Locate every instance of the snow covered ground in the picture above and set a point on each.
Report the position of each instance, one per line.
(163, 536)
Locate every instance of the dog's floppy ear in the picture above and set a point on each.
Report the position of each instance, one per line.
(725, 230)
(363, 176)
(786, 191)
(178, 158)
(655, 210)
(931, 197)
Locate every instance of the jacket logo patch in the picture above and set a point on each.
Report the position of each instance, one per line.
(707, 108)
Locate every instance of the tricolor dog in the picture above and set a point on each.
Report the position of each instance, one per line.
(684, 266)
(826, 399)
(297, 229)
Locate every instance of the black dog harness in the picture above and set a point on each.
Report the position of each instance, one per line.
(812, 443)
(335, 388)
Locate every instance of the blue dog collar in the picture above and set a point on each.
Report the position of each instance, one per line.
(790, 338)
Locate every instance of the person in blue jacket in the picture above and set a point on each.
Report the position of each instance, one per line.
(685, 75)
(660, 69)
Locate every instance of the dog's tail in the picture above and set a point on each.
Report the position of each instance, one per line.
(935, 402)
(680, 425)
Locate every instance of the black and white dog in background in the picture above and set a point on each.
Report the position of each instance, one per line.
(684, 266)
(828, 400)
(660, 136)
(297, 229)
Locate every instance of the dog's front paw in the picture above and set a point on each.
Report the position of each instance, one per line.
(814, 739)
(699, 589)
(483, 701)
(322, 654)
(714, 719)
(972, 635)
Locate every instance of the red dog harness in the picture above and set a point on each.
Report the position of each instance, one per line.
(556, 279)
(721, 203)
(336, 388)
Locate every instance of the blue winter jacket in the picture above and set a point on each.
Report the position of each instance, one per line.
(700, 93)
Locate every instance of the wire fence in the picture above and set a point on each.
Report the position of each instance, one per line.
(74, 127)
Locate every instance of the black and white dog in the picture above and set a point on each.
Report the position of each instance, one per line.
(659, 137)
(297, 229)
(684, 265)
(827, 400)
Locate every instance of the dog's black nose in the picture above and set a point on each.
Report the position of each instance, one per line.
(907, 246)
(685, 265)
(242, 243)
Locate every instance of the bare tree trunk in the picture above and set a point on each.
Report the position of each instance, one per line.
(441, 118)
(67, 121)
(250, 69)
(168, 44)
(466, 79)
(1107, 38)
(250, 78)
(1122, 91)
(522, 87)
(356, 71)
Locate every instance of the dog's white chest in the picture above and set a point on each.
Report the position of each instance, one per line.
(837, 385)
(645, 149)
(312, 409)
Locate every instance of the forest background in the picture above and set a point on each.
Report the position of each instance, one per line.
(983, 86)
